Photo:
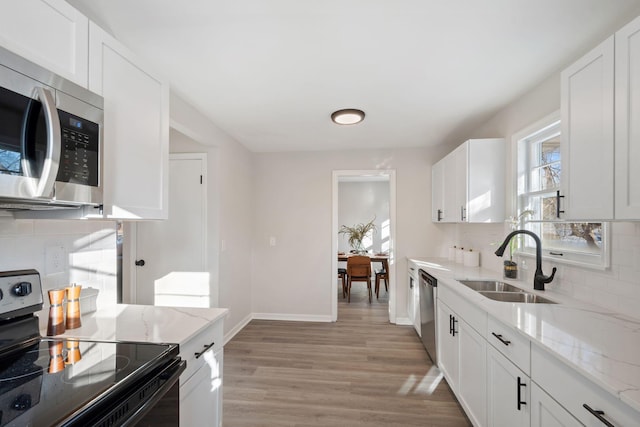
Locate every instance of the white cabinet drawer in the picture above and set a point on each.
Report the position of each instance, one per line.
(510, 343)
(188, 350)
(475, 317)
(572, 391)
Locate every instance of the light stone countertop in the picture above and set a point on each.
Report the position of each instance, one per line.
(141, 323)
(600, 344)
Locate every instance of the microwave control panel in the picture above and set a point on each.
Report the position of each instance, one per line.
(80, 156)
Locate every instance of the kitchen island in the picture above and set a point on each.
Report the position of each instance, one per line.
(198, 331)
(573, 355)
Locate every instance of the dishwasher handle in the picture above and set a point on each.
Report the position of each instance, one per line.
(427, 278)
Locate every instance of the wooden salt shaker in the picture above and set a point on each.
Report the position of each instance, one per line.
(56, 326)
(73, 306)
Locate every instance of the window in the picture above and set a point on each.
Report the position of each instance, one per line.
(539, 178)
(9, 161)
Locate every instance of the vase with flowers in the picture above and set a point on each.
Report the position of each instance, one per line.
(357, 233)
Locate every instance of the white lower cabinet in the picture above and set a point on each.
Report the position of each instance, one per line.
(472, 372)
(508, 392)
(503, 379)
(201, 382)
(413, 298)
(201, 395)
(447, 345)
(462, 360)
(546, 412)
(590, 404)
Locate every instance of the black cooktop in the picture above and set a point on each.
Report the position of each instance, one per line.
(51, 380)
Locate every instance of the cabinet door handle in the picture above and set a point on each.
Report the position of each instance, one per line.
(463, 211)
(502, 340)
(453, 326)
(558, 197)
(439, 215)
(206, 348)
(598, 414)
(450, 324)
(520, 385)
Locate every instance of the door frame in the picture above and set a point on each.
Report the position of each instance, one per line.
(129, 249)
(336, 175)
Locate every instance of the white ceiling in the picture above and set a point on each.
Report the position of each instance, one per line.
(270, 72)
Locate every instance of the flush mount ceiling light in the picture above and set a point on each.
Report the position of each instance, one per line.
(347, 116)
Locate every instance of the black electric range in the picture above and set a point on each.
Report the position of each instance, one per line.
(48, 381)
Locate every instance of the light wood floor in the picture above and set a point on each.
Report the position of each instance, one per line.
(359, 371)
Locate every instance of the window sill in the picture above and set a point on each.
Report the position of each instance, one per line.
(602, 266)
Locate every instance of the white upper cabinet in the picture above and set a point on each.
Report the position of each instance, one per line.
(600, 107)
(587, 135)
(471, 185)
(627, 121)
(136, 130)
(50, 33)
(437, 191)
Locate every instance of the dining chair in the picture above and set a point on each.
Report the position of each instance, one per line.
(358, 270)
(382, 274)
(342, 274)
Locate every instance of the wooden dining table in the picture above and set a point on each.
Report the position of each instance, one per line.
(381, 258)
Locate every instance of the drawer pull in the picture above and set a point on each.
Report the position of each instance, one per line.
(598, 414)
(520, 385)
(502, 340)
(206, 348)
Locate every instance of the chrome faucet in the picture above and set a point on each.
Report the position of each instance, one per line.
(539, 279)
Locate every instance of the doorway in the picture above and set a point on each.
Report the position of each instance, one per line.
(372, 182)
(171, 257)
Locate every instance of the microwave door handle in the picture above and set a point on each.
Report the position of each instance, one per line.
(54, 144)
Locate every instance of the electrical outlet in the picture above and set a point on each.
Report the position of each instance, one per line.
(55, 259)
(272, 241)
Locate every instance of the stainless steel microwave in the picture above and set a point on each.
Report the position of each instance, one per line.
(50, 139)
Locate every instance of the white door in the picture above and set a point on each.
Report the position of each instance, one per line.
(171, 254)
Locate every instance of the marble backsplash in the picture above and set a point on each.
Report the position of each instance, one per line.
(616, 289)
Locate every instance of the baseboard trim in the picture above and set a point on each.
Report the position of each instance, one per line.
(403, 321)
(292, 317)
(240, 326)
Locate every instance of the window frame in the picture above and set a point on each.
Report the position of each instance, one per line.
(521, 162)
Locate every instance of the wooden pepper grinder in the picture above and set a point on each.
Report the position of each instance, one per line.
(56, 361)
(73, 306)
(56, 326)
(73, 352)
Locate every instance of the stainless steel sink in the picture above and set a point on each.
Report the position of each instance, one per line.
(490, 285)
(523, 297)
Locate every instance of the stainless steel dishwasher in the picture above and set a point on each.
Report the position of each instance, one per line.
(428, 292)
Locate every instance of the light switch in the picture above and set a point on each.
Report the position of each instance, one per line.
(272, 241)
(223, 245)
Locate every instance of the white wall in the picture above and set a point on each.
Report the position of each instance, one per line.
(88, 250)
(230, 200)
(293, 204)
(359, 203)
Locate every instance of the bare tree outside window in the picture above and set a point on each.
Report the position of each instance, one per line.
(541, 168)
